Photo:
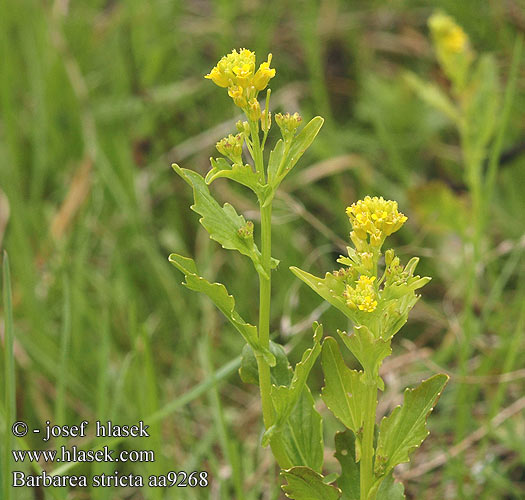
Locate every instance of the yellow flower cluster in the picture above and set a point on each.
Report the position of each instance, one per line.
(236, 71)
(448, 35)
(363, 296)
(375, 216)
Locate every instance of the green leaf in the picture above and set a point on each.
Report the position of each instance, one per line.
(482, 100)
(223, 224)
(432, 95)
(301, 142)
(285, 397)
(306, 484)
(220, 297)
(329, 288)
(243, 174)
(405, 428)
(344, 390)
(276, 157)
(345, 452)
(281, 373)
(390, 490)
(302, 434)
(368, 350)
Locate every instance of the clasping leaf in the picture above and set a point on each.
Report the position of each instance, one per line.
(344, 389)
(296, 420)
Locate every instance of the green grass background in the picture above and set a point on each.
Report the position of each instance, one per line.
(97, 98)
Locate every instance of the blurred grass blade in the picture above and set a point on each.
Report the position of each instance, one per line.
(9, 377)
(186, 398)
(508, 101)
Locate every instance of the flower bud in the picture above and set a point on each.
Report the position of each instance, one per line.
(389, 255)
(243, 127)
(288, 123)
(231, 147)
(254, 110)
(266, 121)
(246, 231)
(367, 259)
(237, 94)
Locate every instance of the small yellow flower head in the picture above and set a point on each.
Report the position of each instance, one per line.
(231, 147)
(447, 34)
(375, 216)
(363, 296)
(236, 71)
(453, 49)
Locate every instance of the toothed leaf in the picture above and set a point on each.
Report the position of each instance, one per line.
(223, 224)
(306, 484)
(220, 297)
(405, 428)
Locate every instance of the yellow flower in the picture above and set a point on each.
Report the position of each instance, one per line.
(237, 94)
(448, 35)
(456, 40)
(233, 69)
(263, 75)
(236, 71)
(374, 216)
(218, 78)
(363, 296)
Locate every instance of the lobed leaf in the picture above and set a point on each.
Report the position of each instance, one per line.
(222, 223)
(306, 484)
(224, 302)
(344, 389)
(405, 428)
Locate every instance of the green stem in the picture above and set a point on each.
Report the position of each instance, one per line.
(265, 287)
(257, 151)
(367, 445)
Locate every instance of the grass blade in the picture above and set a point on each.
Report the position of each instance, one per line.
(9, 377)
